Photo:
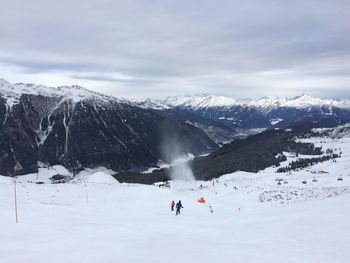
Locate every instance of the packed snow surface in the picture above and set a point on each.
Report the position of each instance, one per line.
(265, 217)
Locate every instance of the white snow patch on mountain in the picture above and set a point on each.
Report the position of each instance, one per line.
(150, 104)
(200, 101)
(275, 121)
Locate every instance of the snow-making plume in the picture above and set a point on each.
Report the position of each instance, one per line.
(173, 153)
(181, 171)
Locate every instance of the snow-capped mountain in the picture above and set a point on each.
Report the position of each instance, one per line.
(265, 104)
(75, 127)
(13, 92)
(261, 113)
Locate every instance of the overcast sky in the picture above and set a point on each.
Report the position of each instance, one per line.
(148, 48)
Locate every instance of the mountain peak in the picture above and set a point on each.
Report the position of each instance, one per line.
(199, 101)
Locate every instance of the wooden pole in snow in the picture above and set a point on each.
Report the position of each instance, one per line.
(86, 193)
(15, 194)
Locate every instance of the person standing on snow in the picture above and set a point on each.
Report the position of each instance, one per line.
(178, 207)
(172, 205)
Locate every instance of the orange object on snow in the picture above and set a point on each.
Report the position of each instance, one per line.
(201, 200)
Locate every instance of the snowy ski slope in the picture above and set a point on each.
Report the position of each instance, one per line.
(255, 219)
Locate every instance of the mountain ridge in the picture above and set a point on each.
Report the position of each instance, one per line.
(212, 101)
(200, 101)
(252, 114)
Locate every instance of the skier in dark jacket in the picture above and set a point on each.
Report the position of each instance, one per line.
(178, 207)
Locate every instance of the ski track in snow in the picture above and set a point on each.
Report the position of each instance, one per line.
(96, 219)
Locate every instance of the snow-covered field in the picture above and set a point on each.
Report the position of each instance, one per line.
(255, 219)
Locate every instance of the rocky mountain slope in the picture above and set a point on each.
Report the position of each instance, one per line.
(78, 128)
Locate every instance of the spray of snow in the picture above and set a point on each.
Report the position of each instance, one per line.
(173, 153)
(181, 171)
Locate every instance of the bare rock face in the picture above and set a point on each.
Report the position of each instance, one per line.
(86, 132)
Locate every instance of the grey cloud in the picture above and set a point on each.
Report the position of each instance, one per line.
(162, 44)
